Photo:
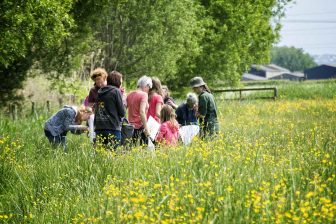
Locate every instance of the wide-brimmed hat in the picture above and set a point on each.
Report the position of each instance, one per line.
(196, 82)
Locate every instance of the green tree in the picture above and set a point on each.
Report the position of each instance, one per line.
(294, 59)
(238, 34)
(171, 39)
(26, 27)
(38, 33)
(155, 38)
(177, 39)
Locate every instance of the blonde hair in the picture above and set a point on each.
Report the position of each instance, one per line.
(156, 88)
(81, 110)
(164, 87)
(98, 72)
(167, 114)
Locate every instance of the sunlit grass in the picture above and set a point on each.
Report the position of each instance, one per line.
(274, 162)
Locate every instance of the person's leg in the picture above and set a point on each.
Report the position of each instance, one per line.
(203, 130)
(63, 141)
(49, 136)
(101, 138)
(212, 129)
(143, 139)
(137, 136)
(114, 138)
(92, 134)
(56, 140)
(109, 139)
(216, 127)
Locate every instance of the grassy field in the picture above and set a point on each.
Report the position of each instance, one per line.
(274, 162)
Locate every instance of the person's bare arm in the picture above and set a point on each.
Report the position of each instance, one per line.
(172, 104)
(175, 106)
(158, 109)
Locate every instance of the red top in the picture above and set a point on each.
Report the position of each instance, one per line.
(155, 99)
(168, 133)
(133, 101)
(93, 94)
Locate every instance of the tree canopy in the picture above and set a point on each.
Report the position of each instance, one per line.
(173, 40)
(26, 27)
(238, 33)
(294, 59)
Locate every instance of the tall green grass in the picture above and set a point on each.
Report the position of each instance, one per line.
(286, 90)
(301, 90)
(274, 162)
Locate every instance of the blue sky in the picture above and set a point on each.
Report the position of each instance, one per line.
(311, 25)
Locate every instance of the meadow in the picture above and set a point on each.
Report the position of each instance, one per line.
(274, 162)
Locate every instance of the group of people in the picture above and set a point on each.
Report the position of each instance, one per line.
(107, 104)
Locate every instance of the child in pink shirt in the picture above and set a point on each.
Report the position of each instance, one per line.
(169, 129)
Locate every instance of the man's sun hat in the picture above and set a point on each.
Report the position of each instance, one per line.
(196, 82)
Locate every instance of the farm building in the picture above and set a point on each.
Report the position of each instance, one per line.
(267, 71)
(251, 77)
(321, 72)
(294, 76)
(270, 72)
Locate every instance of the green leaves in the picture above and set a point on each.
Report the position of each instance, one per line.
(294, 59)
(174, 40)
(29, 25)
(27, 28)
(238, 34)
(148, 38)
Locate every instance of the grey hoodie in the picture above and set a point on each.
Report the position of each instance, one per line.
(109, 109)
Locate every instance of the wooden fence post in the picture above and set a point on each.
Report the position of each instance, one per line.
(72, 99)
(33, 108)
(275, 93)
(48, 106)
(11, 111)
(60, 101)
(14, 112)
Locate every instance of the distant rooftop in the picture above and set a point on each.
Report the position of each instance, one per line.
(270, 68)
(248, 76)
(331, 65)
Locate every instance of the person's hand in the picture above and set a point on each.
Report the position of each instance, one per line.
(83, 129)
(122, 90)
(198, 115)
(146, 132)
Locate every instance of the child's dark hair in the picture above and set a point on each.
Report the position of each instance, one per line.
(114, 79)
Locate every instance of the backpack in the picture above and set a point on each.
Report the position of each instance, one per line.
(127, 130)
